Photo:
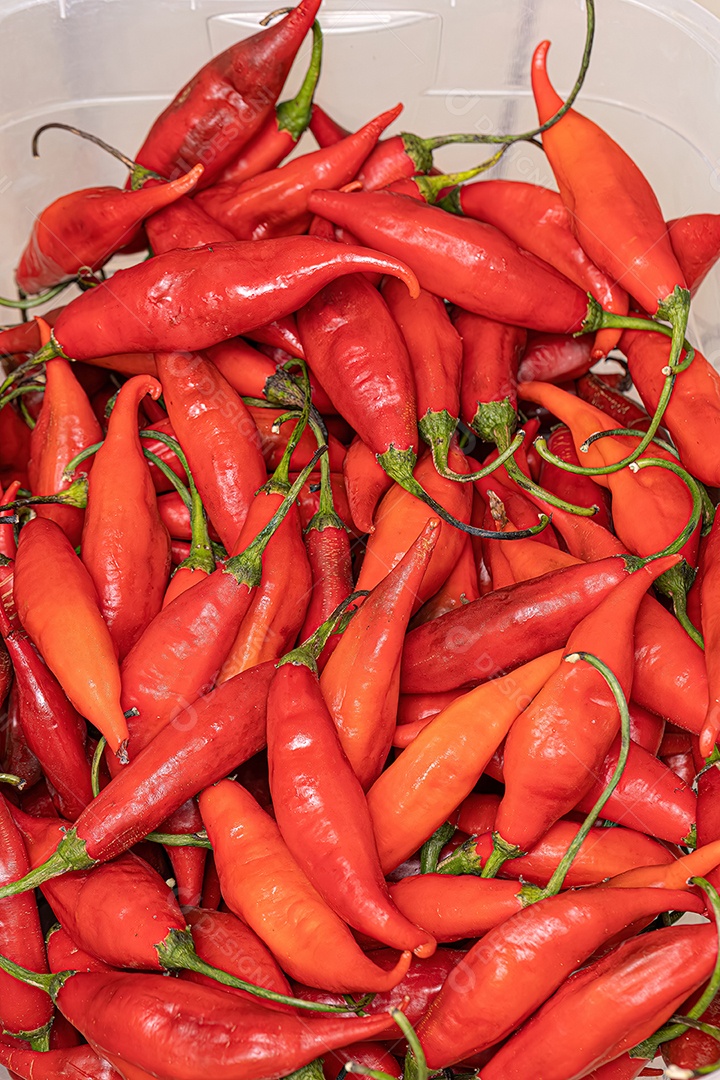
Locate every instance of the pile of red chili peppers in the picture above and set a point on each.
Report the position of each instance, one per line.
(359, 607)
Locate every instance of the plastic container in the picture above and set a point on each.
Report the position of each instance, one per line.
(458, 65)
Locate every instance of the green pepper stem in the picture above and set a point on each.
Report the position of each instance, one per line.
(308, 652)
(463, 860)
(70, 854)
(79, 459)
(515, 473)
(51, 983)
(294, 116)
(27, 302)
(679, 543)
(431, 186)
(177, 953)
(170, 476)
(198, 839)
(95, 767)
(431, 850)
(556, 882)
(399, 465)
(649, 1047)
(280, 480)
(51, 351)
(437, 430)
(74, 495)
(139, 172)
(501, 852)
(415, 1063)
(14, 781)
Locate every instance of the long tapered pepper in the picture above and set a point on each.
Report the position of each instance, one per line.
(161, 1025)
(555, 357)
(456, 908)
(544, 942)
(264, 885)
(84, 229)
(206, 412)
(61, 614)
(274, 203)
(188, 862)
(220, 291)
(469, 263)
(179, 655)
(366, 482)
(427, 782)
(23, 1011)
(360, 682)
(693, 413)
(491, 356)
(537, 220)
(567, 731)
(125, 545)
(66, 425)
(225, 103)
(502, 630)
(53, 730)
(653, 974)
(325, 819)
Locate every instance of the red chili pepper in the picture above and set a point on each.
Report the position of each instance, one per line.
(282, 129)
(572, 487)
(556, 747)
(274, 203)
(399, 519)
(326, 820)
(14, 446)
(653, 974)
(64, 955)
(504, 629)
(265, 886)
(695, 241)
(428, 781)
(555, 358)
(368, 1054)
(471, 264)
(436, 355)
(205, 412)
(693, 413)
(61, 614)
(179, 655)
(223, 940)
(66, 425)
(280, 333)
(73, 1063)
(456, 908)
(188, 862)
(274, 440)
(695, 1049)
(125, 545)
(366, 482)
(596, 391)
(460, 588)
(85, 229)
(491, 356)
(226, 103)
(51, 727)
(222, 289)
(8, 546)
(544, 942)
(537, 220)
(613, 210)
(25, 1011)
(360, 682)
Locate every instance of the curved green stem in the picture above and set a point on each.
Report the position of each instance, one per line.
(14, 781)
(74, 495)
(415, 1063)
(20, 391)
(515, 473)
(649, 1047)
(95, 767)
(294, 116)
(280, 480)
(501, 852)
(437, 430)
(326, 516)
(431, 186)
(139, 172)
(198, 839)
(177, 953)
(399, 465)
(431, 850)
(557, 880)
(51, 351)
(26, 303)
(70, 854)
(308, 652)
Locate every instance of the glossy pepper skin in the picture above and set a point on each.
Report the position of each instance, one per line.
(573, 487)
(422, 787)
(491, 353)
(274, 203)
(263, 884)
(73, 1063)
(60, 612)
(189, 300)
(653, 974)
(24, 1008)
(456, 908)
(555, 748)
(693, 413)
(227, 101)
(53, 731)
(471, 264)
(360, 682)
(323, 814)
(161, 1025)
(86, 228)
(218, 435)
(504, 629)
(696, 242)
(65, 426)
(537, 220)
(613, 210)
(125, 544)
(544, 943)
(365, 482)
